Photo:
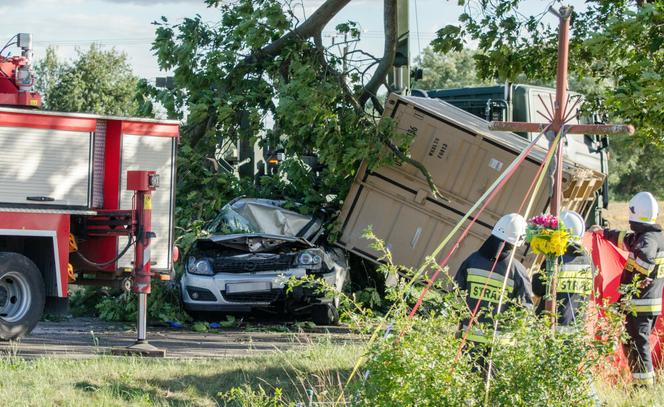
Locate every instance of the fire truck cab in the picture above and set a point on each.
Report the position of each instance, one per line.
(66, 212)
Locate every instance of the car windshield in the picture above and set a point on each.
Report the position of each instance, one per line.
(259, 216)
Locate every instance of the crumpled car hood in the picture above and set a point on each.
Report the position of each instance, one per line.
(257, 242)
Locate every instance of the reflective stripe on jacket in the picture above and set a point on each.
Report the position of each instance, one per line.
(646, 260)
(575, 283)
(475, 276)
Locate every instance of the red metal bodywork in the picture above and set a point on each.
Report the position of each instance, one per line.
(139, 181)
(54, 226)
(10, 94)
(103, 247)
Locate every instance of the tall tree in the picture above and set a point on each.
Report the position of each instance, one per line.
(96, 81)
(618, 42)
(450, 70)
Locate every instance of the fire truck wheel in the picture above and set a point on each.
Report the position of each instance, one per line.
(22, 295)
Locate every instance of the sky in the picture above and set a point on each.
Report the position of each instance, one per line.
(125, 24)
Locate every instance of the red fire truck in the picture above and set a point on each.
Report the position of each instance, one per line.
(84, 199)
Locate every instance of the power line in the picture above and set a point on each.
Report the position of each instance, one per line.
(106, 41)
(148, 40)
(417, 25)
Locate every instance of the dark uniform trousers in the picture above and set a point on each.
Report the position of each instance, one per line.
(644, 271)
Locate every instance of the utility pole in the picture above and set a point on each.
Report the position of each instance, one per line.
(399, 76)
(246, 159)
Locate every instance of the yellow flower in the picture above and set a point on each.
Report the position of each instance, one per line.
(558, 242)
(550, 242)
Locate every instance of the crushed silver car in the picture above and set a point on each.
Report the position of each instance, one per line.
(254, 247)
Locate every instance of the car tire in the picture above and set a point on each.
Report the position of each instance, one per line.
(22, 296)
(324, 314)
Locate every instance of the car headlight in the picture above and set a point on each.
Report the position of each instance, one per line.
(199, 266)
(309, 259)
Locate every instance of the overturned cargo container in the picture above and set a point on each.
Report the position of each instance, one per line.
(464, 158)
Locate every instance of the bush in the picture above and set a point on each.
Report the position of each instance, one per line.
(421, 361)
(420, 369)
(115, 305)
(530, 366)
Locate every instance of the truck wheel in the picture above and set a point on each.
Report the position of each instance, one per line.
(324, 314)
(22, 295)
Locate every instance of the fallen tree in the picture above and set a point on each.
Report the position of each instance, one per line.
(263, 73)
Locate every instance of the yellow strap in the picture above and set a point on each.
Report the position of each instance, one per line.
(478, 338)
(621, 240)
(632, 265)
(644, 382)
(489, 281)
(583, 274)
(644, 309)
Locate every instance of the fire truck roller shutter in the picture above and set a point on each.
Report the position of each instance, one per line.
(22, 295)
(151, 153)
(45, 167)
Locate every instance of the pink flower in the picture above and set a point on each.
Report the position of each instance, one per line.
(547, 221)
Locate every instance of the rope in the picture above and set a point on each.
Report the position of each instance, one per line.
(537, 181)
(554, 146)
(488, 196)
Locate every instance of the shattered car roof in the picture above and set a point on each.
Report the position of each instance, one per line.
(263, 217)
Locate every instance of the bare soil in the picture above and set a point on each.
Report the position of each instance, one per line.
(618, 213)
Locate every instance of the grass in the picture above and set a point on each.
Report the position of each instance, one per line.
(115, 381)
(625, 396)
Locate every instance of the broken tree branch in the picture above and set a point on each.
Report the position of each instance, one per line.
(315, 23)
(403, 157)
(341, 80)
(389, 52)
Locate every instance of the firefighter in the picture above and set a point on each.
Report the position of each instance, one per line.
(642, 281)
(575, 278)
(475, 274)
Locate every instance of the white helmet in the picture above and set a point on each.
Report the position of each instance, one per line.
(643, 208)
(511, 228)
(574, 222)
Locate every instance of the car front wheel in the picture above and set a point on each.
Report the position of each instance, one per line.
(324, 314)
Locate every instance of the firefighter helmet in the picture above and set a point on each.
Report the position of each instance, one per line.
(511, 228)
(574, 222)
(643, 208)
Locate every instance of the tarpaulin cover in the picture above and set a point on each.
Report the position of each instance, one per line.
(610, 261)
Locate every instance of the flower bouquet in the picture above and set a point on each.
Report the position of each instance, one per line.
(547, 235)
